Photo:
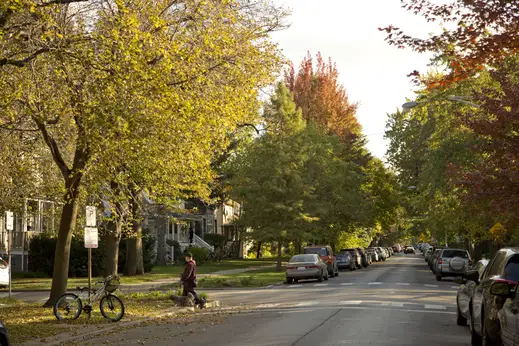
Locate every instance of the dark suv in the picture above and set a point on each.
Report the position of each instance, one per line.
(326, 254)
(502, 270)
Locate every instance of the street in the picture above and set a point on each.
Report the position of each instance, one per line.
(397, 302)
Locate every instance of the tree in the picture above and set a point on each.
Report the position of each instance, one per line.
(269, 180)
(322, 99)
(131, 72)
(485, 32)
(491, 178)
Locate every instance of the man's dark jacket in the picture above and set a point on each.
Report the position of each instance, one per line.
(189, 274)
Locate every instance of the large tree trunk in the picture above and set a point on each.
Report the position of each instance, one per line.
(113, 233)
(258, 250)
(62, 254)
(134, 259)
(112, 239)
(280, 256)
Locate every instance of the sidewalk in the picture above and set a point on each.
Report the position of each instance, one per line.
(42, 295)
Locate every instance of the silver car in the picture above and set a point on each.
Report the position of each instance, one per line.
(307, 266)
(452, 262)
(4, 273)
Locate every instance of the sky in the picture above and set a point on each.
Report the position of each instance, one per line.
(373, 72)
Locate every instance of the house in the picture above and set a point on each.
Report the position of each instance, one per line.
(176, 223)
(39, 216)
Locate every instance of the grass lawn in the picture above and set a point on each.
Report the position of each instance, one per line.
(26, 321)
(256, 278)
(158, 273)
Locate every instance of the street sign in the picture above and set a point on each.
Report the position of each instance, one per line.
(91, 237)
(91, 216)
(9, 220)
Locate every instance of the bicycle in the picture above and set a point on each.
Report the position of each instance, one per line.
(72, 304)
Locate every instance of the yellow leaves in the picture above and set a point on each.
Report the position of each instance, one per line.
(498, 232)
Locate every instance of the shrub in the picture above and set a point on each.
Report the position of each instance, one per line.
(216, 240)
(41, 256)
(199, 254)
(176, 248)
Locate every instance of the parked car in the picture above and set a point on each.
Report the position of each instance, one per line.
(427, 254)
(389, 251)
(307, 266)
(466, 292)
(374, 254)
(492, 290)
(355, 254)
(395, 248)
(345, 260)
(452, 262)
(508, 318)
(4, 338)
(326, 254)
(365, 257)
(4, 273)
(409, 249)
(432, 258)
(381, 253)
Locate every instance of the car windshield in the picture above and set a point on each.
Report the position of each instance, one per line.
(303, 258)
(455, 253)
(316, 250)
(512, 269)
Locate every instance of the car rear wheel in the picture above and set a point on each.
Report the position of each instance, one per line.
(326, 277)
(289, 280)
(438, 277)
(337, 271)
(320, 277)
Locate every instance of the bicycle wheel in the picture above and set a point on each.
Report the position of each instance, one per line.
(68, 306)
(112, 308)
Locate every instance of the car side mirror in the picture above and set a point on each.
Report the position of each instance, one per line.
(460, 280)
(472, 275)
(500, 289)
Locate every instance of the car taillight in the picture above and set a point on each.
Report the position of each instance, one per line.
(312, 267)
(291, 267)
(440, 261)
(330, 261)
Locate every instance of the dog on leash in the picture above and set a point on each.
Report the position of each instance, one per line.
(184, 301)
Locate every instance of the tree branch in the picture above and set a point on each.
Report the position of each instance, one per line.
(23, 62)
(54, 148)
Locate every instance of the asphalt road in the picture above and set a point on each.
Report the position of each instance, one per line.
(397, 302)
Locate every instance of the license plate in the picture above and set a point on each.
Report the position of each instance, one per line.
(301, 268)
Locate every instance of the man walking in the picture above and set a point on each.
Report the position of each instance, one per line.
(188, 279)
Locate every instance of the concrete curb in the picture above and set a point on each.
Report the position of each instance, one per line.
(165, 313)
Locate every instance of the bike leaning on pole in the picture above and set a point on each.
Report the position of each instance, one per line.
(70, 305)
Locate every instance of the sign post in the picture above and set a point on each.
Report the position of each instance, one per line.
(91, 242)
(9, 226)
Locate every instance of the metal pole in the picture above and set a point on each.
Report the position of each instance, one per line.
(89, 275)
(9, 241)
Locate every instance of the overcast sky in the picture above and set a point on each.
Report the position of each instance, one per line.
(374, 73)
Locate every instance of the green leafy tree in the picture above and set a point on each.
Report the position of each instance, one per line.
(146, 85)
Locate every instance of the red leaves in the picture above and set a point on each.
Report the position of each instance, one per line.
(322, 98)
(474, 46)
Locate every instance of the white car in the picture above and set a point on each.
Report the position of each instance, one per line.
(4, 273)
